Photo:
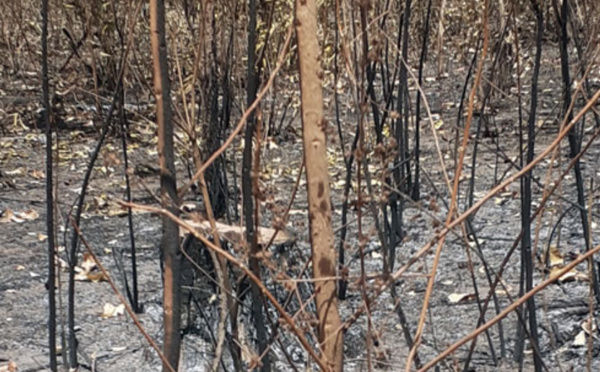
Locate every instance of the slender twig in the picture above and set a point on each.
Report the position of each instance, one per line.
(49, 193)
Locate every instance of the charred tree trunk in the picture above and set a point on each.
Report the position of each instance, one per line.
(213, 133)
(416, 187)
(168, 186)
(247, 190)
(574, 140)
(317, 179)
(526, 259)
(49, 194)
(401, 166)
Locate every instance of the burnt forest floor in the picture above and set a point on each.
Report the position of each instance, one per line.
(114, 343)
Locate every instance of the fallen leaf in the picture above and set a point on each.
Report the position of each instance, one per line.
(28, 215)
(504, 290)
(456, 298)
(111, 311)
(16, 172)
(585, 325)
(116, 210)
(38, 175)
(569, 276)
(556, 258)
(88, 264)
(580, 339)
(81, 276)
(235, 234)
(6, 216)
(96, 277)
(10, 367)
(100, 202)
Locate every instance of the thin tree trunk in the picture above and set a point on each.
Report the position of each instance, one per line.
(168, 186)
(416, 187)
(317, 177)
(574, 140)
(132, 294)
(247, 187)
(526, 259)
(440, 46)
(49, 195)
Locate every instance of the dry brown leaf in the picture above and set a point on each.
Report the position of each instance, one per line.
(569, 276)
(10, 367)
(80, 276)
(236, 234)
(100, 202)
(6, 216)
(96, 277)
(116, 210)
(88, 263)
(504, 290)
(456, 298)
(556, 258)
(28, 215)
(38, 175)
(110, 311)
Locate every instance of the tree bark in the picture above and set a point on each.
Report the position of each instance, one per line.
(317, 177)
(49, 196)
(168, 186)
(247, 190)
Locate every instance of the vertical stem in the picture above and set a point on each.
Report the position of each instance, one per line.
(49, 196)
(416, 189)
(133, 295)
(440, 46)
(247, 188)
(574, 141)
(168, 186)
(317, 179)
(526, 258)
